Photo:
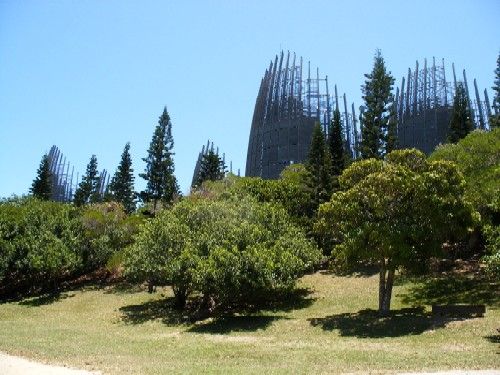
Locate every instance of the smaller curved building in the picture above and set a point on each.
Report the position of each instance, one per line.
(424, 104)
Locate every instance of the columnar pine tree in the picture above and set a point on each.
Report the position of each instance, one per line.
(391, 139)
(461, 121)
(336, 144)
(42, 184)
(89, 184)
(319, 166)
(159, 173)
(495, 117)
(121, 187)
(212, 168)
(377, 94)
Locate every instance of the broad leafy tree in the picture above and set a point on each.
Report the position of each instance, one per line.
(396, 213)
(42, 185)
(88, 189)
(212, 168)
(122, 185)
(378, 98)
(461, 122)
(159, 173)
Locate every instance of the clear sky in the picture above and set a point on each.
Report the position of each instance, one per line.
(88, 76)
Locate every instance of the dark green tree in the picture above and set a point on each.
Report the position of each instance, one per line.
(319, 166)
(391, 139)
(212, 168)
(121, 187)
(88, 188)
(336, 144)
(377, 94)
(42, 184)
(159, 173)
(461, 120)
(495, 118)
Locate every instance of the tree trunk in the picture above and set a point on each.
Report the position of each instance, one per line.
(385, 287)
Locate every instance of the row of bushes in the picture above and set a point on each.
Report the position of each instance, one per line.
(42, 242)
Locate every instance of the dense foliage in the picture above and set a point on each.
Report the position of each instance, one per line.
(230, 250)
(478, 158)
(38, 241)
(397, 213)
(43, 242)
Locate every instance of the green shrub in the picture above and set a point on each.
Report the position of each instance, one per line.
(230, 250)
(38, 242)
(106, 229)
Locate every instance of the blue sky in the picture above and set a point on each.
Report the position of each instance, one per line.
(90, 76)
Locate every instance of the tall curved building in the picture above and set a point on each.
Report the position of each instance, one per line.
(289, 103)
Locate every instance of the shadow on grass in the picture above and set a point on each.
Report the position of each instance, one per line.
(233, 318)
(45, 299)
(495, 339)
(453, 289)
(229, 324)
(367, 323)
(162, 309)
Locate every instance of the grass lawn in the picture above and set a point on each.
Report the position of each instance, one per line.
(327, 328)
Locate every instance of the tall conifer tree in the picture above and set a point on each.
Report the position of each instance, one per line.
(461, 121)
(377, 94)
(159, 172)
(212, 168)
(336, 144)
(121, 187)
(495, 117)
(319, 166)
(89, 186)
(42, 184)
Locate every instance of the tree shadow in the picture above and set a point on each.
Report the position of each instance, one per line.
(495, 339)
(163, 310)
(45, 299)
(238, 317)
(227, 324)
(368, 324)
(454, 289)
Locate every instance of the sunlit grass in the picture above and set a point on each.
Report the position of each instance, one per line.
(327, 328)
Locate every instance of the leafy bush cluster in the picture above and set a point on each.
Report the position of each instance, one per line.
(42, 241)
(477, 156)
(228, 250)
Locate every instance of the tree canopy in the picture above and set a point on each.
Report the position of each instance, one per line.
(397, 213)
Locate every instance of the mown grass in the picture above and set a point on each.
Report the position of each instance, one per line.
(329, 326)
